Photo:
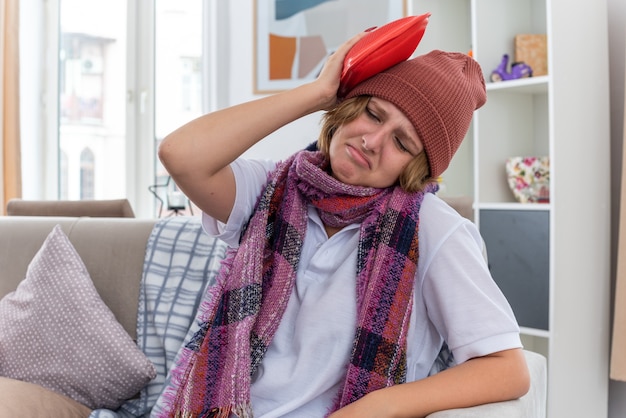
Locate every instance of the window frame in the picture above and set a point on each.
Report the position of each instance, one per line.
(140, 162)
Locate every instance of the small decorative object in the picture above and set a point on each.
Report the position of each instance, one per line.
(176, 200)
(519, 69)
(532, 49)
(529, 178)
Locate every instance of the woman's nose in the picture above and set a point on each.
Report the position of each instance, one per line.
(372, 141)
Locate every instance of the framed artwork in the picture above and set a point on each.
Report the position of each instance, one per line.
(293, 38)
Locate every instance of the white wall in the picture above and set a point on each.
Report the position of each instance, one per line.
(236, 72)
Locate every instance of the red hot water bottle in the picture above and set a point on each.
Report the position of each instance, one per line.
(380, 49)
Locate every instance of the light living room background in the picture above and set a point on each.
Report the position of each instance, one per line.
(101, 82)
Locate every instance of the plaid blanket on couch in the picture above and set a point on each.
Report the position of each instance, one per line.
(181, 261)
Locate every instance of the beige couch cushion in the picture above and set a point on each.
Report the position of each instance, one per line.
(462, 204)
(26, 400)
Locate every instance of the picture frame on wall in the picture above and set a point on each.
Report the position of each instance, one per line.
(293, 39)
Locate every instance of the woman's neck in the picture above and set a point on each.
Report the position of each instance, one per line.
(330, 230)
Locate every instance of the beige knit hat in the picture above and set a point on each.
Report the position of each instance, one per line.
(438, 92)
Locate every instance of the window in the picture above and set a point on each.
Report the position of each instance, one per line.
(92, 98)
(87, 162)
(178, 77)
(119, 76)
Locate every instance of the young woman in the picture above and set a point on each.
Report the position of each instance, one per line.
(348, 279)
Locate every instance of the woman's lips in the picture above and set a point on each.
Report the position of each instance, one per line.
(358, 156)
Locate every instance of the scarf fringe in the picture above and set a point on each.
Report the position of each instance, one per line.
(241, 411)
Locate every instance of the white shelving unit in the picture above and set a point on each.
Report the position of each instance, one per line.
(551, 259)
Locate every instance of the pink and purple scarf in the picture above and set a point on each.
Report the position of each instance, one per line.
(241, 313)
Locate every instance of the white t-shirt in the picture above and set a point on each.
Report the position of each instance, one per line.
(455, 300)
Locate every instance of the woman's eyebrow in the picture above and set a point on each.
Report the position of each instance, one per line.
(378, 108)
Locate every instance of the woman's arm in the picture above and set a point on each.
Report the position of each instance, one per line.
(496, 377)
(197, 155)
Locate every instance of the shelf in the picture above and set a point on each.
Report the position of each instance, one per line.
(556, 287)
(530, 85)
(514, 206)
(533, 332)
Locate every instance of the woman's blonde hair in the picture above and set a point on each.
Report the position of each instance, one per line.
(414, 176)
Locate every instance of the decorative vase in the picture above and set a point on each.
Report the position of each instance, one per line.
(529, 178)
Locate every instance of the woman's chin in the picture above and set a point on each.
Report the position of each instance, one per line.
(344, 174)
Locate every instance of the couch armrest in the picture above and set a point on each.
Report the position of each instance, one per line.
(531, 405)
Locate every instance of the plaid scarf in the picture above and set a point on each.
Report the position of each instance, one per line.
(240, 315)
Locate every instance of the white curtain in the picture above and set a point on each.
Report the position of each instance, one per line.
(10, 160)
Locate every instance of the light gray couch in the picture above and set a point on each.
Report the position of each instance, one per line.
(113, 251)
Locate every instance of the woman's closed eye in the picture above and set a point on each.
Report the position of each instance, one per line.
(401, 141)
(373, 115)
(400, 144)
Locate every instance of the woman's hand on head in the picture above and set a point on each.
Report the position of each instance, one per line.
(328, 80)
